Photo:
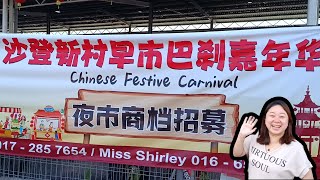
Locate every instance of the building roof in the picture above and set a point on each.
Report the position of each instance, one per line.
(307, 132)
(307, 116)
(99, 14)
(307, 102)
(10, 109)
(43, 113)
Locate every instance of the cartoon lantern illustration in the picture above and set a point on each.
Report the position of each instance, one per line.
(20, 2)
(58, 3)
(47, 124)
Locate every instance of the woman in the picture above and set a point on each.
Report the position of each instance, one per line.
(274, 152)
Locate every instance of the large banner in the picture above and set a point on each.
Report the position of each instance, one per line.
(161, 100)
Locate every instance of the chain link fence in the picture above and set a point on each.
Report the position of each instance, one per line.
(184, 27)
(16, 168)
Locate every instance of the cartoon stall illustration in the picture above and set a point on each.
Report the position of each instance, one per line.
(12, 122)
(47, 124)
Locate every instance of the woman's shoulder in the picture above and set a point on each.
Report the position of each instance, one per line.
(296, 146)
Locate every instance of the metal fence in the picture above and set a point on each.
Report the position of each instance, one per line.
(184, 27)
(16, 167)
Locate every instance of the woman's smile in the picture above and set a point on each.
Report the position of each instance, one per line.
(277, 120)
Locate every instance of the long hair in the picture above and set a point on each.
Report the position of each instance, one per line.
(264, 132)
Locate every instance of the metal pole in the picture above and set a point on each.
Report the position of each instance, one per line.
(15, 27)
(179, 174)
(4, 16)
(11, 16)
(313, 12)
(211, 24)
(48, 22)
(150, 17)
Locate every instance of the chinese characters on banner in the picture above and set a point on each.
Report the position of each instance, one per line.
(160, 100)
(118, 54)
(196, 118)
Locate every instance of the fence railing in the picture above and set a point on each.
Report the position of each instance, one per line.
(16, 167)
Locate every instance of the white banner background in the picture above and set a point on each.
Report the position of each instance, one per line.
(32, 87)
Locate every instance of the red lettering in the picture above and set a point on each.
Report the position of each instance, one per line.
(41, 52)
(313, 49)
(275, 54)
(181, 45)
(14, 47)
(206, 56)
(120, 52)
(88, 54)
(149, 51)
(243, 55)
(67, 53)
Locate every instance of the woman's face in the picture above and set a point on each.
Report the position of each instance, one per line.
(277, 120)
